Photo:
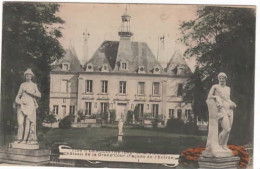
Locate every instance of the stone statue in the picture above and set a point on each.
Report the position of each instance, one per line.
(220, 109)
(120, 127)
(26, 112)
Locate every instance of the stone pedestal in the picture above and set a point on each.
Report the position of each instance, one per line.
(218, 162)
(120, 138)
(24, 157)
(24, 146)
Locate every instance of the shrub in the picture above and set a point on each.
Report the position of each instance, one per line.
(147, 116)
(66, 122)
(104, 116)
(112, 115)
(136, 113)
(155, 123)
(190, 128)
(129, 117)
(174, 125)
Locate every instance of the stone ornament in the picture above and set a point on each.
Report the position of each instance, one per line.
(26, 106)
(220, 109)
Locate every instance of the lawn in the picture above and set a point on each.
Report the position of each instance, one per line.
(135, 140)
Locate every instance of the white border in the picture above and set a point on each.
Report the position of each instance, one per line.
(209, 2)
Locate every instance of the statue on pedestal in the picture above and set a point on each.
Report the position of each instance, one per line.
(120, 130)
(26, 106)
(220, 109)
(120, 127)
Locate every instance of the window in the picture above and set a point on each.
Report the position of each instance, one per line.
(104, 84)
(180, 90)
(72, 109)
(64, 86)
(104, 107)
(65, 66)
(124, 66)
(55, 109)
(63, 109)
(141, 88)
(171, 113)
(179, 113)
(122, 87)
(156, 88)
(88, 108)
(89, 84)
(140, 109)
(188, 114)
(155, 110)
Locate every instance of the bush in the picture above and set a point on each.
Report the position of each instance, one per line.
(175, 125)
(66, 122)
(155, 123)
(129, 117)
(190, 128)
(112, 115)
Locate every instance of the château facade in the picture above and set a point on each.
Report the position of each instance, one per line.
(121, 75)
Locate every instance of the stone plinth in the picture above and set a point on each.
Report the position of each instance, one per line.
(24, 157)
(24, 146)
(120, 138)
(218, 162)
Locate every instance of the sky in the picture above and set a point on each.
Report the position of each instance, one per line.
(148, 23)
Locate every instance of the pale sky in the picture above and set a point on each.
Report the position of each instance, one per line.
(102, 21)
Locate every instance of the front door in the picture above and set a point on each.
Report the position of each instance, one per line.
(121, 109)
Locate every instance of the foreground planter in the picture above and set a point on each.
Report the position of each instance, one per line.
(189, 157)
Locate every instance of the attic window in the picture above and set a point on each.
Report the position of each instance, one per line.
(124, 65)
(65, 66)
(89, 67)
(156, 70)
(140, 69)
(104, 68)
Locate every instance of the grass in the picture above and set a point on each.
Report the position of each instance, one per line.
(134, 140)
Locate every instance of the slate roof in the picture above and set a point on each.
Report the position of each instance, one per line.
(139, 55)
(176, 60)
(69, 57)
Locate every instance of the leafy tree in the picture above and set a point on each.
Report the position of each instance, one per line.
(223, 40)
(50, 118)
(195, 93)
(30, 40)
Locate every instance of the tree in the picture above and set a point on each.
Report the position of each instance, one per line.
(195, 93)
(30, 39)
(223, 40)
(50, 118)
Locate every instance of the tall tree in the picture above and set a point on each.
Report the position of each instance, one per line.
(30, 40)
(223, 40)
(195, 93)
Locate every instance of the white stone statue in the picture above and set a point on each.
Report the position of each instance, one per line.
(26, 111)
(120, 126)
(220, 109)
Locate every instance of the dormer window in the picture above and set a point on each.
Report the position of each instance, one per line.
(180, 70)
(104, 68)
(124, 65)
(140, 69)
(65, 66)
(89, 67)
(156, 70)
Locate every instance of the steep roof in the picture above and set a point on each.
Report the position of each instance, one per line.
(137, 54)
(69, 57)
(175, 61)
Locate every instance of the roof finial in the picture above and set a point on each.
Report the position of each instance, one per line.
(126, 9)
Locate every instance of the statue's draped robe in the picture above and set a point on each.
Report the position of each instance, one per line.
(213, 149)
(28, 107)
